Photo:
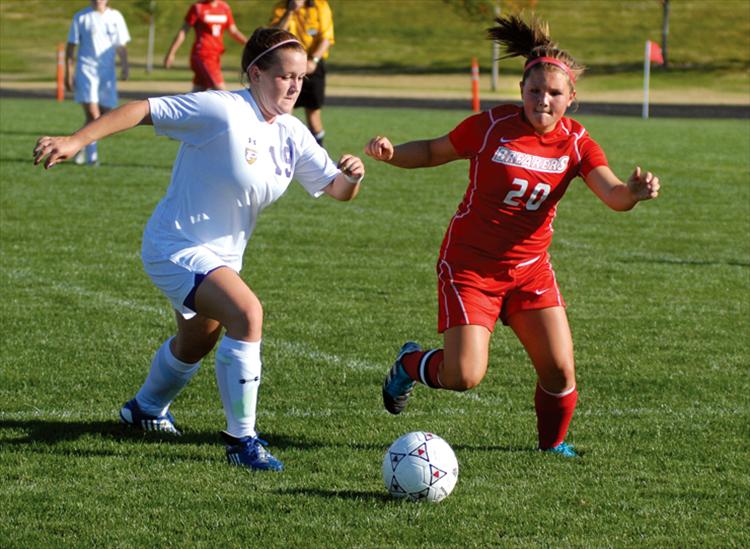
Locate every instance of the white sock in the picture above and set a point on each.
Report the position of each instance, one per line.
(92, 154)
(238, 368)
(165, 380)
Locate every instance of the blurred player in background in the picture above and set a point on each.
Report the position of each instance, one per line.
(238, 154)
(99, 32)
(209, 18)
(494, 261)
(311, 21)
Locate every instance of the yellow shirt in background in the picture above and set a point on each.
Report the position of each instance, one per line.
(309, 25)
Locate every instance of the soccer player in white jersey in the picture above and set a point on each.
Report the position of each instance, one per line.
(99, 32)
(239, 153)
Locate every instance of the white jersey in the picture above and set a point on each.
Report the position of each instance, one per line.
(230, 166)
(97, 36)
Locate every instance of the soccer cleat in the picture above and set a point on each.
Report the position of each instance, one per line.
(250, 452)
(398, 385)
(131, 414)
(564, 449)
(80, 157)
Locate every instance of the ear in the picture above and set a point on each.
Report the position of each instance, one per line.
(572, 97)
(253, 73)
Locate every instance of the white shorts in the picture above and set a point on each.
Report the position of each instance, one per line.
(177, 276)
(96, 85)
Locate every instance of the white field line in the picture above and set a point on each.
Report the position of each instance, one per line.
(304, 351)
(94, 296)
(295, 348)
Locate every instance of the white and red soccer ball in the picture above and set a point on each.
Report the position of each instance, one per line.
(420, 466)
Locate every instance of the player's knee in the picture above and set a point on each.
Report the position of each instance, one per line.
(466, 377)
(193, 348)
(464, 383)
(246, 322)
(558, 376)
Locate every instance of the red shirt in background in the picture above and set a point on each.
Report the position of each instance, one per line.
(210, 20)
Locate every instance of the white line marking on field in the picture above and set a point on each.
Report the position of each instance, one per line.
(295, 348)
(98, 297)
(305, 351)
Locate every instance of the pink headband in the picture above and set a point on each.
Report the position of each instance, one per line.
(551, 61)
(273, 48)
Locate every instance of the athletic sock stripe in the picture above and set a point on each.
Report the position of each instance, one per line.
(423, 367)
(558, 395)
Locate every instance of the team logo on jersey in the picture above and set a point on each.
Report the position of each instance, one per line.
(251, 153)
(509, 157)
(215, 18)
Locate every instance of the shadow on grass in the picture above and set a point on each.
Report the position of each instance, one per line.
(284, 442)
(686, 262)
(278, 440)
(353, 495)
(70, 165)
(56, 432)
(51, 433)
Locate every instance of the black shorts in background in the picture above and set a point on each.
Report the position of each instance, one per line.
(313, 93)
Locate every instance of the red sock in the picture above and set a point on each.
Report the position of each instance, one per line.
(553, 415)
(423, 366)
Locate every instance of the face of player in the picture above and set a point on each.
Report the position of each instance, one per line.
(546, 96)
(277, 88)
(99, 5)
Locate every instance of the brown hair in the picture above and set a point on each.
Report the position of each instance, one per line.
(258, 47)
(531, 40)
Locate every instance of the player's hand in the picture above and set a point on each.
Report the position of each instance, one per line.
(69, 82)
(643, 186)
(352, 167)
(379, 148)
(168, 61)
(55, 149)
(125, 72)
(294, 5)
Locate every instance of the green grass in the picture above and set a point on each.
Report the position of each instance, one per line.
(709, 42)
(658, 303)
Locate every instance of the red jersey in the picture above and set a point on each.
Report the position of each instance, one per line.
(210, 20)
(516, 179)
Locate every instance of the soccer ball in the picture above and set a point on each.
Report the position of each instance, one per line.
(420, 466)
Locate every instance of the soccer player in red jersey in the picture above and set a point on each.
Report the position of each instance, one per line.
(494, 261)
(210, 18)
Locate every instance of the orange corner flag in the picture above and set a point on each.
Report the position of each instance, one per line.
(655, 54)
(475, 106)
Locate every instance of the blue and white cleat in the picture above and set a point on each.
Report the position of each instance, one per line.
(132, 415)
(398, 386)
(250, 452)
(564, 449)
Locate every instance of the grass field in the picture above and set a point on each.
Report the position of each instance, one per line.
(658, 302)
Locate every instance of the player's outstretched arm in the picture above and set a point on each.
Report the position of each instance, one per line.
(236, 34)
(622, 196)
(414, 154)
(176, 43)
(52, 150)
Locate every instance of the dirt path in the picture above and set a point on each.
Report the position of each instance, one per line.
(450, 92)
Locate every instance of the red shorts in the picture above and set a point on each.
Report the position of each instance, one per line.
(206, 72)
(481, 296)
